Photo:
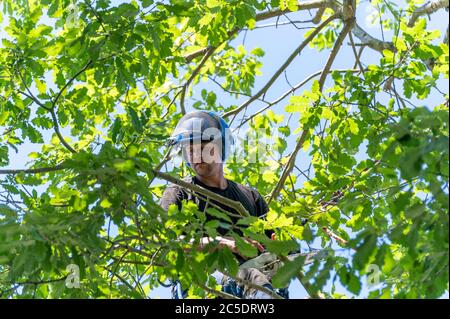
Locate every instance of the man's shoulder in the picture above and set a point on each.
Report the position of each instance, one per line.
(258, 202)
(174, 194)
(176, 189)
(187, 179)
(248, 190)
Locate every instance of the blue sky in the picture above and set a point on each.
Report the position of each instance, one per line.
(278, 43)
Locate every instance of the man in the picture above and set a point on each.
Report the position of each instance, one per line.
(205, 141)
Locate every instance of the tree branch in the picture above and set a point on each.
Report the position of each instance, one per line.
(38, 282)
(58, 132)
(290, 91)
(357, 57)
(427, 9)
(337, 46)
(32, 170)
(333, 235)
(217, 292)
(70, 82)
(205, 192)
(209, 52)
(318, 15)
(30, 95)
(370, 41)
(288, 168)
(282, 68)
(303, 5)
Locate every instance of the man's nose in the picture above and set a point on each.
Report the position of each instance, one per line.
(197, 154)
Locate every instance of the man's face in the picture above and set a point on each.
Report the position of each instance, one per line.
(204, 157)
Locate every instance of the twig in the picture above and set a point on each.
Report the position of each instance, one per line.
(209, 52)
(361, 49)
(301, 278)
(290, 91)
(337, 46)
(333, 235)
(288, 168)
(217, 292)
(283, 23)
(70, 82)
(32, 170)
(357, 57)
(304, 5)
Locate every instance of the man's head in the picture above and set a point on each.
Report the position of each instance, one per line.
(205, 140)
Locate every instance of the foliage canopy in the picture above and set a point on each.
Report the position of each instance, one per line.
(100, 85)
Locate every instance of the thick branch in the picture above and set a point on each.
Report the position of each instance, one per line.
(370, 41)
(195, 188)
(58, 132)
(426, 9)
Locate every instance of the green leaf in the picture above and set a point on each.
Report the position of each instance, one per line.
(298, 104)
(135, 120)
(123, 165)
(105, 203)
(282, 247)
(364, 251)
(218, 214)
(42, 88)
(258, 52)
(228, 261)
(116, 129)
(288, 271)
(350, 280)
(245, 248)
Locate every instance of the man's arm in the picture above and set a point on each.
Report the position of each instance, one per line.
(171, 195)
(174, 195)
(261, 210)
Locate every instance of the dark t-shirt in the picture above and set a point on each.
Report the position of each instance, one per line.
(252, 201)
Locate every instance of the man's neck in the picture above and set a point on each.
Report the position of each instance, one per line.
(214, 181)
